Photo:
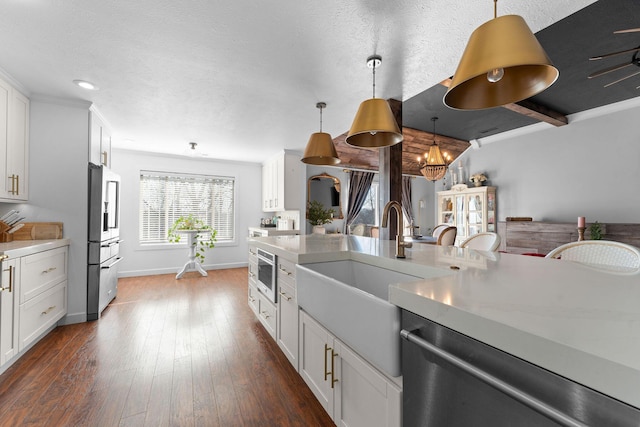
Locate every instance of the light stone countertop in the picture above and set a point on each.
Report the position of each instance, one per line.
(567, 318)
(19, 248)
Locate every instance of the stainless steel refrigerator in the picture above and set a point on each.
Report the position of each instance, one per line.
(104, 239)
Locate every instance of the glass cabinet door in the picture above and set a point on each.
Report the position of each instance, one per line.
(460, 214)
(447, 216)
(475, 214)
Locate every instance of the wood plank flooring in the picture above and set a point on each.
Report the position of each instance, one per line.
(166, 352)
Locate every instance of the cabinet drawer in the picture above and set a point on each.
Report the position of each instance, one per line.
(42, 271)
(287, 270)
(42, 312)
(253, 299)
(267, 315)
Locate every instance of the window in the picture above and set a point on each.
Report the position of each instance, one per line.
(165, 196)
(368, 215)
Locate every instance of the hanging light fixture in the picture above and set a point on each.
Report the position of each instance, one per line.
(374, 125)
(435, 164)
(320, 149)
(502, 63)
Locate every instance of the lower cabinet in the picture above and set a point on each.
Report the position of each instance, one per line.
(287, 330)
(349, 388)
(8, 310)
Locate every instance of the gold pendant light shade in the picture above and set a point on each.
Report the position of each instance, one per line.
(374, 125)
(502, 63)
(320, 150)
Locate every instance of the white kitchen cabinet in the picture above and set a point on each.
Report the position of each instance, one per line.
(287, 325)
(282, 181)
(352, 391)
(470, 210)
(14, 144)
(99, 140)
(32, 300)
(43, 293)
(8, 310)
(253, 277)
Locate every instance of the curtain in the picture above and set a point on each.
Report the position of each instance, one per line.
(359, 186)
(407, 209)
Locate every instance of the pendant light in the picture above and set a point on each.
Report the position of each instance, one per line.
(320, 149)
(502, 63)
(374, 125)
(434, 166)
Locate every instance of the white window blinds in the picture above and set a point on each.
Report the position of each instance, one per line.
(164, 197)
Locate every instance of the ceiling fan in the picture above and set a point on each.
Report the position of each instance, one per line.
(635, 60)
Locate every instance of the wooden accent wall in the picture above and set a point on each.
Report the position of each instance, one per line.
(542, 237)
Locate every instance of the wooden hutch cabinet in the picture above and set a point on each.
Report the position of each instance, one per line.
(470, 210)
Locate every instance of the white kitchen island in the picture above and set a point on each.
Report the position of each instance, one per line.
(569, 319)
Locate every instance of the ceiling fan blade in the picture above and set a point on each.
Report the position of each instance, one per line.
(608, 70)
(630, 30)
(624, 78)
(609, 55)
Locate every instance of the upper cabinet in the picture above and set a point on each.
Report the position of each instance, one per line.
(99, 140)
(14, 144)
(282, 181)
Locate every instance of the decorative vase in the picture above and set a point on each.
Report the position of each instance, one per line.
(478, 183)
(319, 229)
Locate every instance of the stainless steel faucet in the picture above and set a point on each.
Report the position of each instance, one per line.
(400, 243)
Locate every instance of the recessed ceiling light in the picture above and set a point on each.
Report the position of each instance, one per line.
(85, 84)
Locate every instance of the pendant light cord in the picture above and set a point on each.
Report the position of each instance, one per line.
(320, 119)
(495, 9)
(374, 79)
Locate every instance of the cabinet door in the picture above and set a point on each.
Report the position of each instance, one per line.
(461, 216)
(287, 330)
(364, 396)
(475, 214)
(18, 145)
(8, 311)
(5, 96)
(105, 147)
(316, 360)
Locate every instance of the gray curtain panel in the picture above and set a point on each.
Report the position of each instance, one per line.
(358, 188)
(406, 200)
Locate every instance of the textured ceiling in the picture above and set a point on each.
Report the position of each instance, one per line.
(241, 78)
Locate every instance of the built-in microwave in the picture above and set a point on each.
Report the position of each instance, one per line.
(267, 274)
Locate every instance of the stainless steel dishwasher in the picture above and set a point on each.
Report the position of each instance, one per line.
(452, 380)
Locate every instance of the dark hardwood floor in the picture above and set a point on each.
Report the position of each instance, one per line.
(166, 352)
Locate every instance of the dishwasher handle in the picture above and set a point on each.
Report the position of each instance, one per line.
(509, 390)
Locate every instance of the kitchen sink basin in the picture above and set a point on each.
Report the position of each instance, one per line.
(350, 299)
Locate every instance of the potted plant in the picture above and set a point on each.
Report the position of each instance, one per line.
(595, 230)
(317, 216)
(478, 179)
(191, 223)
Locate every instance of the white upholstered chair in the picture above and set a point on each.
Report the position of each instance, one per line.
(447, 237)
(438, 229)
(604, 255)
(359, 230)
(483, 242)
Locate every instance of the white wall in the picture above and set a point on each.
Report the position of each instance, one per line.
(590, 168)
(59, 132)
(141, 260)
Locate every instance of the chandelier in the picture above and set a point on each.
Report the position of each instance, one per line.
(434, 165)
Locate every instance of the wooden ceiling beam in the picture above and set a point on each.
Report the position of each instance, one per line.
(530, 109)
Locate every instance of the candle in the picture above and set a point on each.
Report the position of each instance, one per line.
(581, 221)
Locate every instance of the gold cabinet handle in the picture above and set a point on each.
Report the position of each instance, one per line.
(3, 257)
(10, 270)
(17, 185)
(285, 296)
(48, 310)
(251, 299)
(326, 349)
(252, 274)
(104, 158)
(48, 270)
(265, 315)
(333, 362)
(251, 252)
(284, 271)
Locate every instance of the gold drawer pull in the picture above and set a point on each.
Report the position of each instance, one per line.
(49, 270)
(285, 271)
(285, 296)
(252, 299)
(48, 310)
(252, 275)
(3, 257)
(10, 270)
(265, 315)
